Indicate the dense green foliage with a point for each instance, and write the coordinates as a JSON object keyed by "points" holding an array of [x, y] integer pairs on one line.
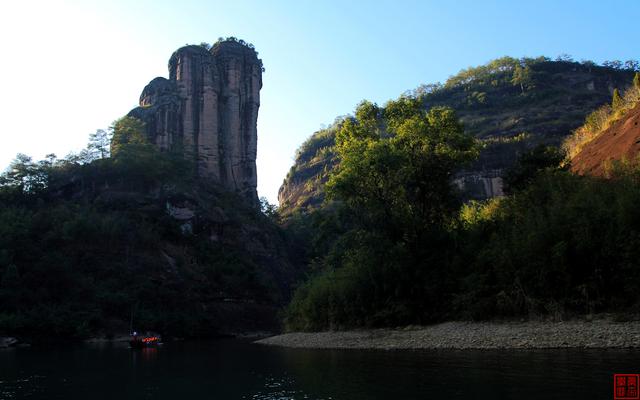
{"points": [[386, 265], [395, 167], [396, 248], [87, 241], [566, 244], [128, 133], [510, 104]]}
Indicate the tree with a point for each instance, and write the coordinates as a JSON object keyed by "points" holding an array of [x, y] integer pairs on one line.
{"points": [[632, 65], [636, 81], [268, 209], [521, 77], [50, 160], [26, 175], [127, 131], [616, 102], [615, 64], [99, 144], [386, 262], [397, 178], [564, 57]]}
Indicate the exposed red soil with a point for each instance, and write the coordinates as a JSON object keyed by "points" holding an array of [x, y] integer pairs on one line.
{"points": [[620, 141]]}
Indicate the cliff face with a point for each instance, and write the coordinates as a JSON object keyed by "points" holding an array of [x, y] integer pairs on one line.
{"points": [[621, 141], [208, 108]]}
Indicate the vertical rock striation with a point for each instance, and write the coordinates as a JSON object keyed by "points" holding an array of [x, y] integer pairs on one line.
{"points": [[208, 109]]}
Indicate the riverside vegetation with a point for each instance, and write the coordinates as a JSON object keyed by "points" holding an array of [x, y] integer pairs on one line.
{"points": [[123, 229], [394, 245]]}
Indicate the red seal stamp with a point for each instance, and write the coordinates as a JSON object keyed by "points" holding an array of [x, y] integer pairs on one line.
{"points": [[625, 387]]}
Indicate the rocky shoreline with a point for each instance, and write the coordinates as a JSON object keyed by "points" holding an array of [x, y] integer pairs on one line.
{"points": [[603, 333]]}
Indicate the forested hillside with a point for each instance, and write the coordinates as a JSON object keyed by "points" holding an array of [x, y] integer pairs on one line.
{"points": [[397, 244], [92, 242], [124, 230], [510, 105]]}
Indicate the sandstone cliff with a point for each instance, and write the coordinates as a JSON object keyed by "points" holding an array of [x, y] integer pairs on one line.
{"points": [[208, 109]]}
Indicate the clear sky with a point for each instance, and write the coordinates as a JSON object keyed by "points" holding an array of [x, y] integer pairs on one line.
{"points": [[71, 67]]}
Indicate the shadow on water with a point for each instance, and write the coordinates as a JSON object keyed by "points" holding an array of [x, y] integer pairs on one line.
{"points": [[233, 369]]}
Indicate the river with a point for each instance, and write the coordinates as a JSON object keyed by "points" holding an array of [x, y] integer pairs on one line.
{"points": [[235, 369]]}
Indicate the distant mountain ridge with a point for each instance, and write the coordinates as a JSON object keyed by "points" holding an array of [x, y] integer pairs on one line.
{"points": [[510, 104]]}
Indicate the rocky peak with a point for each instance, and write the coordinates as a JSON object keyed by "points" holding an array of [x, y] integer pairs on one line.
{"points": [[230, 48], [157, 90], [208, 108], [192, 54]]}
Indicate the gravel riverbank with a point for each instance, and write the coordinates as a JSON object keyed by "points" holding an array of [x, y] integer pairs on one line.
{"points": [[473, 335]]}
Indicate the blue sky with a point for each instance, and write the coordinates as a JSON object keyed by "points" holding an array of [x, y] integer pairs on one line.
{"points": [[71, 67]]}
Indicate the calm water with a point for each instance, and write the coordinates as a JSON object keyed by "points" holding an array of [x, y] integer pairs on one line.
{"points": [[240, 370]]}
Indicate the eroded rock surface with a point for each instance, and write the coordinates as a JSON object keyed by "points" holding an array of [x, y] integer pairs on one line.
{"points": [[620, 142], [208, 108]]}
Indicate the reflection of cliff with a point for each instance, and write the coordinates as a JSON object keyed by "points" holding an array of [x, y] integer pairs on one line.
{"points": [[208, 108]]}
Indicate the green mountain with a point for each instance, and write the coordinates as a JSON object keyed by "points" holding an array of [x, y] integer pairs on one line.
{"points": [[398, 245], [510, 105]]}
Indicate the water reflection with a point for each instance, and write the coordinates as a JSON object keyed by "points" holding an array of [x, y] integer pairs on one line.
{"points": [[148, 354], [238, 370], [16, 388], [281, 388]]}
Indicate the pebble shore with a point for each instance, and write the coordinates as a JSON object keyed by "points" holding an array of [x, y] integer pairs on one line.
{"points": [[473, 335]]}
